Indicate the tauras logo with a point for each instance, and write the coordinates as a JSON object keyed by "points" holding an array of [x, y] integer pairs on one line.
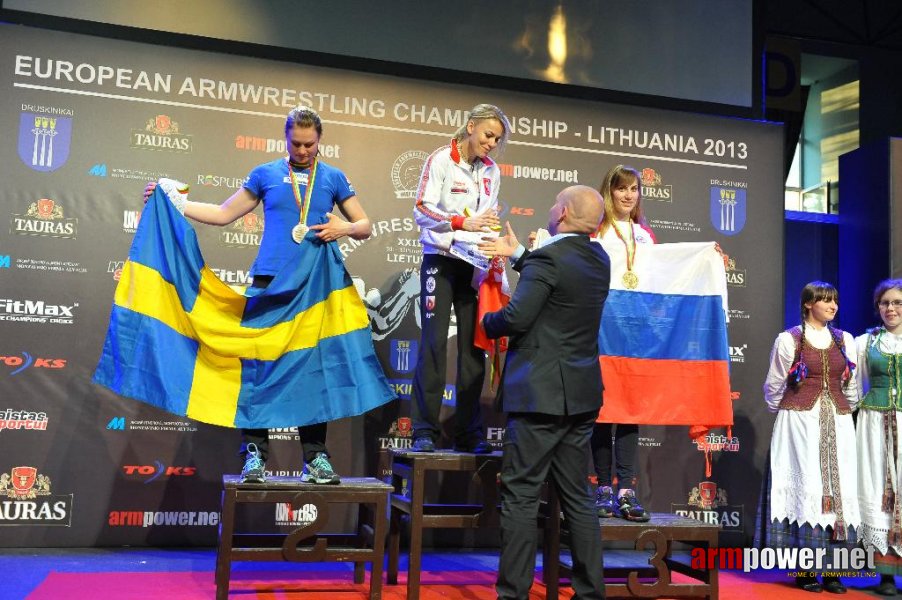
{"points": [[28, 500], [44, 218], [708, 503], [161, 133]]}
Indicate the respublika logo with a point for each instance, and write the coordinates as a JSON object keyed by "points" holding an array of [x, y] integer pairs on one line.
{"points": [[221, 181], [36, 311], [728, 209], [161, 133], [44, 139], [29, 501], [403, 355], [405, 173], [44, 218], [21, 362]]}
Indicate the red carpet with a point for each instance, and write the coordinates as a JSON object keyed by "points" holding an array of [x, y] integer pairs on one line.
{"points": [[312, 585]]}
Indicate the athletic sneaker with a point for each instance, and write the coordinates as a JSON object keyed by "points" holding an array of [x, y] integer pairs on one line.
{"points": [[320, 471], [254, 467], [629, 508], [604, 502]]}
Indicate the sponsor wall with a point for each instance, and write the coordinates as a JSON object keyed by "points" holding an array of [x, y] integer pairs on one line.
{"points": [[94, 119]]}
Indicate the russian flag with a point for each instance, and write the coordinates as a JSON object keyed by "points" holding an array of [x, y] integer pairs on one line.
{"points": [[663, 345]]}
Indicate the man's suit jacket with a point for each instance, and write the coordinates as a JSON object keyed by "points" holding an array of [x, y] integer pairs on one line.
{"points": [[553, 319]]}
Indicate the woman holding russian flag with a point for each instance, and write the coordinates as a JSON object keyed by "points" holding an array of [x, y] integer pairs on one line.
{"points": [[813, 489], [623, 223], [879, 441]]}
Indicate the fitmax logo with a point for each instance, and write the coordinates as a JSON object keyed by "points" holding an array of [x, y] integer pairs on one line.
{"points": [[737, 353]]}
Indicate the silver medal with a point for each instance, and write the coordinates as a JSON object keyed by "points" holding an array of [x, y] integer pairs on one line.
{"points": [[298, 232]]}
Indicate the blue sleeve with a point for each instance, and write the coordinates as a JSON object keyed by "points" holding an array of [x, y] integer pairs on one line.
{"points": [[343, 187], [255, 181]]}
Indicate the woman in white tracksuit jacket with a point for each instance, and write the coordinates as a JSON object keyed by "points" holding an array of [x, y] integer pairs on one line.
{"points": [[457, 194]]}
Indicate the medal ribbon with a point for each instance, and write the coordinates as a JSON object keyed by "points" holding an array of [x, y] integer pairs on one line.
{"points": [[303, 205], [630, 257]]}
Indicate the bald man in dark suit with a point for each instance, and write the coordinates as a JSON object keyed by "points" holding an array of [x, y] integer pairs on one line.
{"points": [[551, 389]]}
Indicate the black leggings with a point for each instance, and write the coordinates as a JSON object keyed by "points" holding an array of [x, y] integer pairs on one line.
{"points": [[625, 447]]}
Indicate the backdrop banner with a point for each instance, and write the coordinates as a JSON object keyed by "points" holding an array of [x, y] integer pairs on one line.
{"points": [[92, 120]]}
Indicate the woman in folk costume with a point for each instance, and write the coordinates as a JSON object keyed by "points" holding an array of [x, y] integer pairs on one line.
{"points": [[623, 223], [879, 441], [813, 492]]}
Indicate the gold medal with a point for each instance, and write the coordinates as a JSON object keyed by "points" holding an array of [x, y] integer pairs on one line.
{"points": [[299, 232], [630, 280]]}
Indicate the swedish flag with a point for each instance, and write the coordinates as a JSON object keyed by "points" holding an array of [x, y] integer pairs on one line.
{"points": [[298, 352]]}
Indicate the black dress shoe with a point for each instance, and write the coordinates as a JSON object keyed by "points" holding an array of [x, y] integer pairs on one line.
{"points": [[483, 447], [833, 585], [423, 444], [480, 447], [887, 586], [809, 584]]}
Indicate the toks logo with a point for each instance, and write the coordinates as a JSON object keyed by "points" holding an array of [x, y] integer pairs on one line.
{"points": [[161, 133], [708, 503], [157, 470], [29, 501], [44, 218], [20, 363]]}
